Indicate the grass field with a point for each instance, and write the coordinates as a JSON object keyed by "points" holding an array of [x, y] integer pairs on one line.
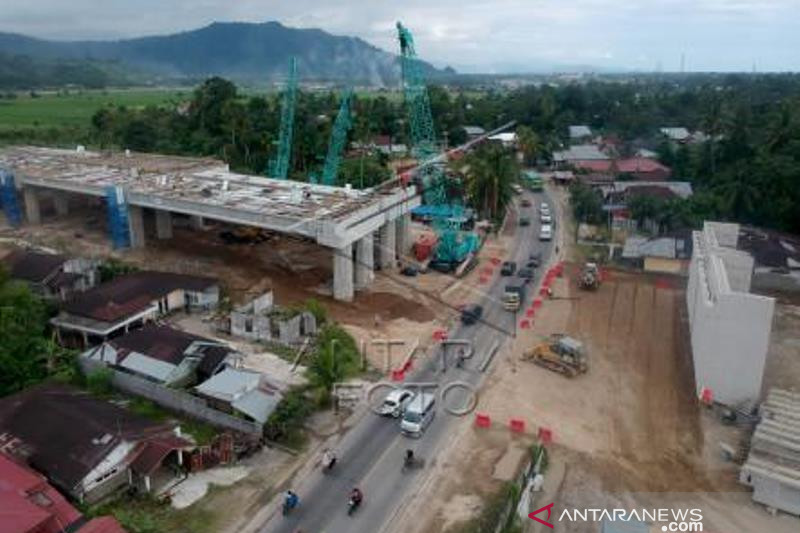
{"points": [[76, 109]]}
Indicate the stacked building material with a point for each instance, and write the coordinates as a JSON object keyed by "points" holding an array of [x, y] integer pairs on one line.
{"points": [[773, 464]]}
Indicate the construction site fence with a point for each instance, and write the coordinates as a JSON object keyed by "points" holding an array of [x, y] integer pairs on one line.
{"points": [[174, 400]]}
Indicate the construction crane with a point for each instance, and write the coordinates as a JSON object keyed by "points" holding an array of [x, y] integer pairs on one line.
{"points": [[279, 166], [453, 246], [343, 123]]}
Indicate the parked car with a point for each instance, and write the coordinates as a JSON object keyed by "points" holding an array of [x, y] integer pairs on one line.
{"points": [[535, 257], [525, 202], [524, 221], [544, 208], [545, 232], [418, 414], [508, 268], [471, 314], [395, 402], [410, 271]]}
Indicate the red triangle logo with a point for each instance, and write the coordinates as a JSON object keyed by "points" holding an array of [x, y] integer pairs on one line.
{"points": [[547, 508]]}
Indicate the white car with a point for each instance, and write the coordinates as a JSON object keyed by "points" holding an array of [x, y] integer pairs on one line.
{"points": [[545, 233], [395, 403], [544, 208], [545, 218]]}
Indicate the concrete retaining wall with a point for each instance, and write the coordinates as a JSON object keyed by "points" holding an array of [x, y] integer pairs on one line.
{"points": [[730, 327]]}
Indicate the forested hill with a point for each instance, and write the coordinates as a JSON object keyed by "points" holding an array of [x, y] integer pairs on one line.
{"points": [[240, 51]]}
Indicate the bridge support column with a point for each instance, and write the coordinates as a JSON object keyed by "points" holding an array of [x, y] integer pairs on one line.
{"points": [[403, 238], [197, 222], [61, 204], [163, 224], [136, 225], [343, 273], [388, 246], [33, 209], [365, 261]]}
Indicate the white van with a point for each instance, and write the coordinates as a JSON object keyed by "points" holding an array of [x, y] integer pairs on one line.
{"points": [[418, 414], [546, 232]]}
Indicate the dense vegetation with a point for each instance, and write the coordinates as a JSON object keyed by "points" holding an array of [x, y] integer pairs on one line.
{"points": [[20, 72], [28, 354], [748, 170]]}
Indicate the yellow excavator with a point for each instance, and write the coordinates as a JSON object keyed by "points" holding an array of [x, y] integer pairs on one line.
{"points": [[561, 354]]}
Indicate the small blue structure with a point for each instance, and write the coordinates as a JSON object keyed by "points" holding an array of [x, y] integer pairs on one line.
{"points": [[118, 217], [8, 198]]}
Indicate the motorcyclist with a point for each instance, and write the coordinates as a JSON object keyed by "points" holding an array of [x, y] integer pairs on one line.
{"points": [[356, 496], [460, 359], [409, 457], [292, 500]]}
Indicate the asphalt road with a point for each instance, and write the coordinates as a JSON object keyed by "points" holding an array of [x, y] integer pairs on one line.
{"points": [[370, 455]]}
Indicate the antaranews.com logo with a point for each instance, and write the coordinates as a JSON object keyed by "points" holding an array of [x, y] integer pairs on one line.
{"points": [[674, 520]]}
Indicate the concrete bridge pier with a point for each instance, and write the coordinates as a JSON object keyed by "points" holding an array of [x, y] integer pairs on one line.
{"points": [[365, 261], [403, 237], [343, 289], [33, 208], [163, 224], [136, 226], [61, 204], [388, 244]]}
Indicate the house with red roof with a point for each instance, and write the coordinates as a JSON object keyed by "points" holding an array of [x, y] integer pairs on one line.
{"points": [[644, 169], [29, 504]]}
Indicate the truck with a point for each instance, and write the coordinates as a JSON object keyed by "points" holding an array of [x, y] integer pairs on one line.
{"points": [[513, 297]]}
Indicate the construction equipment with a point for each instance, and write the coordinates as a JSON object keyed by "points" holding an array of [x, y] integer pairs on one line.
{"points": [[590, 277], [117, 204], [279, 166], [338, 140], [561, 354], [8, 198], [454, 246]]}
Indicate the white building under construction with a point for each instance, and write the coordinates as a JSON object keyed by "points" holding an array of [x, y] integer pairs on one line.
{"points": [[730, 327]]}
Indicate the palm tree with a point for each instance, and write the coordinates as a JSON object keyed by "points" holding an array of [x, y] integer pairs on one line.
{"points": [[529, 143], [489, 175]]}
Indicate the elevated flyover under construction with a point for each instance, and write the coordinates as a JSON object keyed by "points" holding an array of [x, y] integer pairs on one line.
{"points": [[350, 222]]}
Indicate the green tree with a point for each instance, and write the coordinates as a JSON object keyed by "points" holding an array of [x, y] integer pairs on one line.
{"points": [[529, 144], [490, 172]]}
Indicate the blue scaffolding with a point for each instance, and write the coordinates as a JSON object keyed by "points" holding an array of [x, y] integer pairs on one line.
{"points": [[118, 217], [8, 198]]}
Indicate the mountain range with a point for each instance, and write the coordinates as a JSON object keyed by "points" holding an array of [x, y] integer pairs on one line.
{"points": [[244, 52]]}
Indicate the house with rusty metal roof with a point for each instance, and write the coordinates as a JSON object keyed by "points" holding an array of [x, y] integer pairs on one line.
{"points": [[50, 275], [163, 355], [87, 447], [130, 301], [29, 504]]}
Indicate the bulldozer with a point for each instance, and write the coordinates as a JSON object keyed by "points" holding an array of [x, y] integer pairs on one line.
{"points": [[561, 354], [590, 277]]}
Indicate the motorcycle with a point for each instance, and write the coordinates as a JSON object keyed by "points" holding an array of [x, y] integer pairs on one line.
{"points": [[352, 505]]}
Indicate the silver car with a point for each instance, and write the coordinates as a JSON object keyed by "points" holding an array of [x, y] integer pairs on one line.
{"points": [[395, 403]]}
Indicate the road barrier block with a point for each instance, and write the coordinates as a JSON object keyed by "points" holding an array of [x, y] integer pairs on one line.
{"points": [[525, 324], [482, 420], [543, 291], [545, 435], [440, 335], [530, 312], [537, 303], [706, 396], [516, 425], [483, 280], [496, 260], [488, 271], [398, 375]]}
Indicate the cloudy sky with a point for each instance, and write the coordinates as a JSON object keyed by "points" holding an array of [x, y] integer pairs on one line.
{"points": [[490, 35]]}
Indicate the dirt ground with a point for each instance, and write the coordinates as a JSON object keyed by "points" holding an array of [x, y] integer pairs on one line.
{"points": [[630, 431]]}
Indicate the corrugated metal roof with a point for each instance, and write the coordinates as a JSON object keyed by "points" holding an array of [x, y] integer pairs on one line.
{"points": [[257, 404], [229, 384], [576, 132], [580, 152], [148, 366]]}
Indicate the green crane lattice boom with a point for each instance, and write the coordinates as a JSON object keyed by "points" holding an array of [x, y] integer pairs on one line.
{"points": [[454, 245], [344, 121], [279, 166]]}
